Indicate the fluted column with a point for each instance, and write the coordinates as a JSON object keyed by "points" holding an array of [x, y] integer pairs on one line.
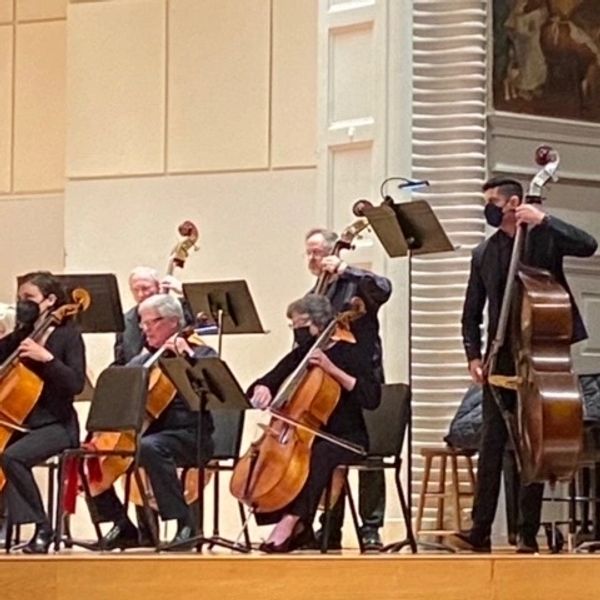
{"points": [[449, 149]]}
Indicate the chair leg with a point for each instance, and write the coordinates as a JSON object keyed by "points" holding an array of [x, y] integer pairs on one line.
{"points": [[9, 533], [354, 514], [59, 515], [88, 495], [216, 503], [327, 522], [147, 509], [410, 534]]}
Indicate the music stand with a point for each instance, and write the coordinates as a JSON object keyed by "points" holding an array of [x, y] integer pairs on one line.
{"points": [[407, 229], [105, 313], [228, 303], [208, 385]]}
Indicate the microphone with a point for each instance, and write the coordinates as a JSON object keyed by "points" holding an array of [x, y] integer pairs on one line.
{"points": [[412, 184]]}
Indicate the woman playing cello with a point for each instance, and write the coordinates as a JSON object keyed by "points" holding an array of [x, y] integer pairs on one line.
{"points": [[58, 360], [348, 365]]}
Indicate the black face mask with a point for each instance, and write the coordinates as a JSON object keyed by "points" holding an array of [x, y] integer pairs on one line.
{"points": [[493, 214], [303, 336], [27, 313]]}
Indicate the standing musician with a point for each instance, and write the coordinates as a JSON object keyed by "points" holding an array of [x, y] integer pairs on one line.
{"points": [[549, 240], [59, 361], [169, 442], [143, 283], [349, 364], [349, 282]]}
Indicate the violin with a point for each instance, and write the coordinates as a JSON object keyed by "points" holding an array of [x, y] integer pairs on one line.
{"points": [[275, 468], [548, 432], [20, 388]]}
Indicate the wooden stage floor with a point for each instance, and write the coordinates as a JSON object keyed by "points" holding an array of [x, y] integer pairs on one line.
{"points": [[149, 576]]}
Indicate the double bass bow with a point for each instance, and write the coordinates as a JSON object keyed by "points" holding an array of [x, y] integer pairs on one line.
{"points": [[547, 433]]}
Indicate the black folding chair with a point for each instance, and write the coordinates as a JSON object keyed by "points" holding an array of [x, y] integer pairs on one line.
{"points": [[118, 405], [386, 426]]}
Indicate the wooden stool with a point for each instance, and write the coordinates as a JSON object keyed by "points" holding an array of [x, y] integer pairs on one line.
{"points": [[440, 494]]}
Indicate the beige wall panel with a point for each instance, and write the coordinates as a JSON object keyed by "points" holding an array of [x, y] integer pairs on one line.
{"points": [[294, 87], [251, 227], [6, 11], [6, 37], [32, 238], [116, 88], [39, 156], [218, 115], [41, 9]]}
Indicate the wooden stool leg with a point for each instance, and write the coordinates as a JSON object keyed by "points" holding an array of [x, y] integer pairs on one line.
{"points": [[422, 495], [442, 494], [455, 492]]}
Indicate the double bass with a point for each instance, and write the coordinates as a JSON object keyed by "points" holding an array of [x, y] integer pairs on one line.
{"points": [[20, 388], [548, 431]]}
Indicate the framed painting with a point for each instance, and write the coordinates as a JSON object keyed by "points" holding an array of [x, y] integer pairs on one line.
{"points": [[547, 57]]}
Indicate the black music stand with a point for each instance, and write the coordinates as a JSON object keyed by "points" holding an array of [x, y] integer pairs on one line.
{"points": [[104, 314], [407, 229], [226, 304], [208, 385]]}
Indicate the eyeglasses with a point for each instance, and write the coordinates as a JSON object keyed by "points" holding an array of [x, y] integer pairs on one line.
{"points": [[148, 322]]}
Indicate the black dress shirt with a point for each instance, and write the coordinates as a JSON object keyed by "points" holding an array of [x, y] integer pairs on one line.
{"points": [[547, 245]]}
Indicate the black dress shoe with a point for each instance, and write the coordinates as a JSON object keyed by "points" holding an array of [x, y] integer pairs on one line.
{"points": [[183, 540], [527, 544], [334, 541], [371, 540], [40, 542], [121, 536], [466, 540]]}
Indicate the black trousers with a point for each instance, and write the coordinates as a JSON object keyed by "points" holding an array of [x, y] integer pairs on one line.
{"points": [[23, 498], [494, 437], [371, 504], [325, 457], [161, 453]]}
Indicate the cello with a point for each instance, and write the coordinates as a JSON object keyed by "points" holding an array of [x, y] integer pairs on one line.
{"points": [[20, 388], [275, 468], [548, 430]]}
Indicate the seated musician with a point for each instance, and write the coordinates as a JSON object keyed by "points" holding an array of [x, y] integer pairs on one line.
{"points": [[349, 364], [58, 359], [143, 283], [169, 442]]}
